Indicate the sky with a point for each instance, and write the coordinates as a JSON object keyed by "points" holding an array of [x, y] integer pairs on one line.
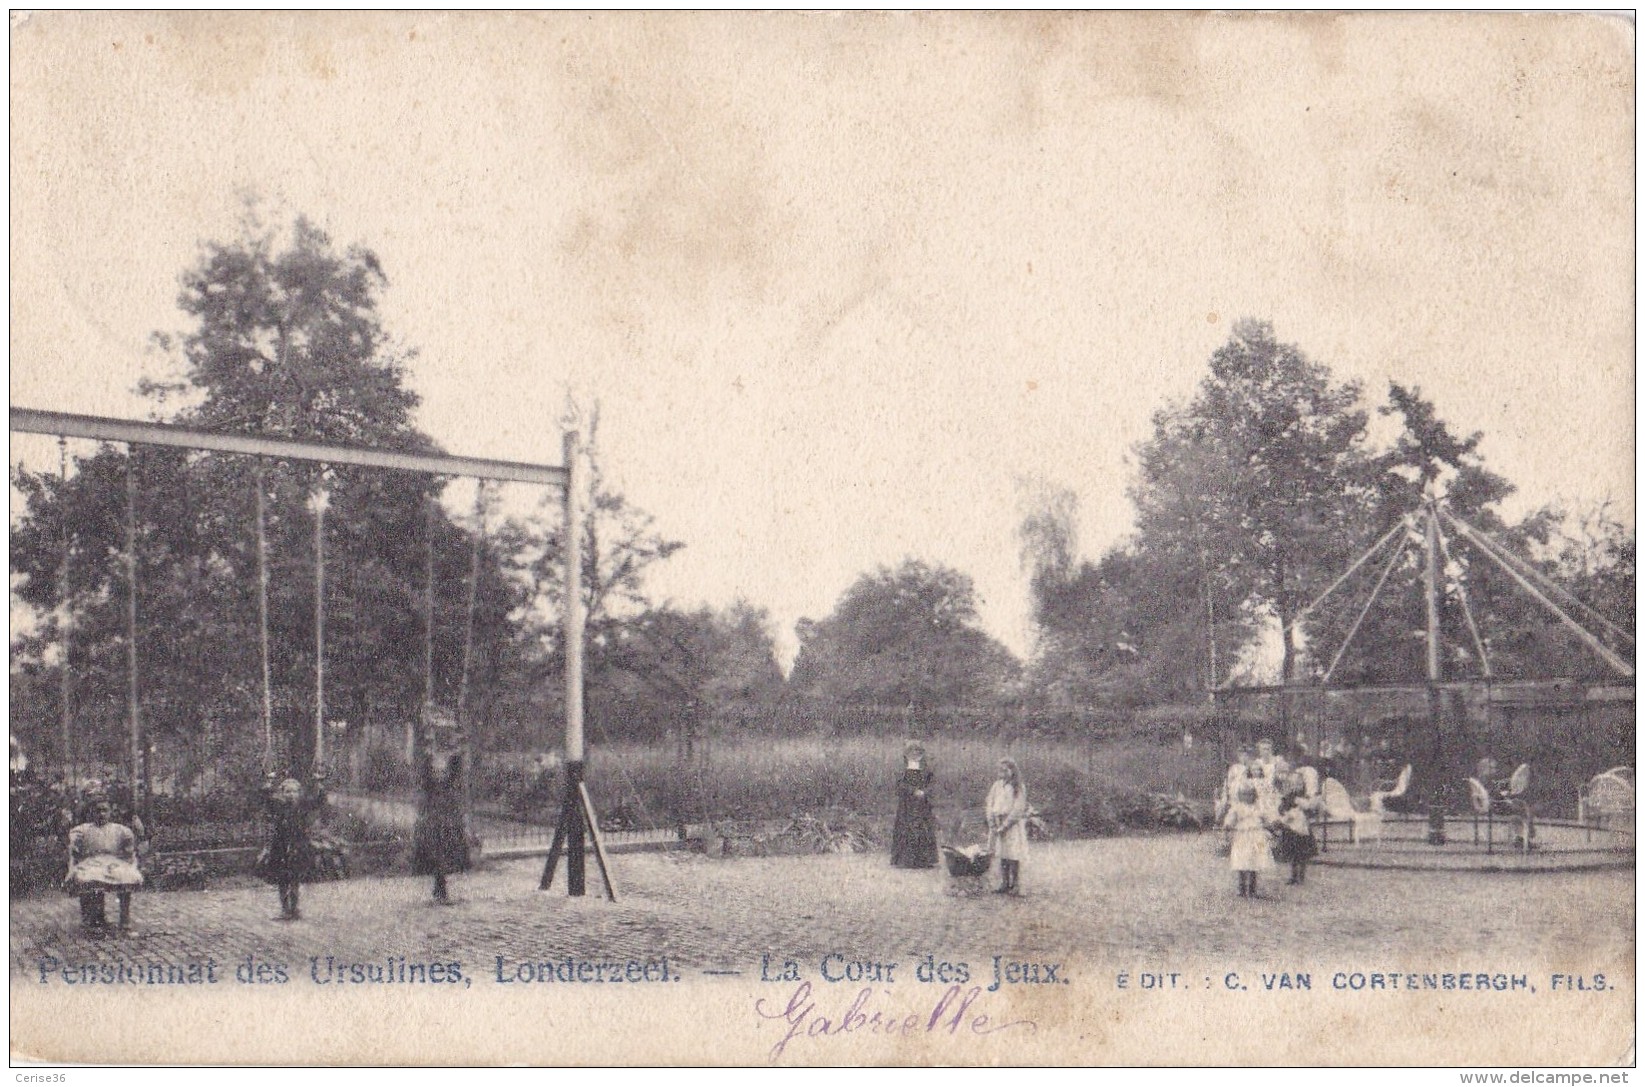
{"points": [[848, 287]]}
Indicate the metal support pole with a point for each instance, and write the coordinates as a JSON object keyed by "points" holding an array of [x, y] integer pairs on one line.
{"points": [[571, 811], [1468, 613], [1576, 628], [1430, 577], [1393, 561]]}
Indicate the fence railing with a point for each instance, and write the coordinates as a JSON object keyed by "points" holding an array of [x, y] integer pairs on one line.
{"points": [[501, 834]]}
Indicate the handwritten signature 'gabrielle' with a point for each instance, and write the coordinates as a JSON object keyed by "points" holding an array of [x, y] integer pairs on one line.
{"points": [[953, 1014]]}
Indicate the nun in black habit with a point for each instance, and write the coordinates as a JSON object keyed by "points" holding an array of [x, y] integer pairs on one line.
{"points": [[914, 835]]}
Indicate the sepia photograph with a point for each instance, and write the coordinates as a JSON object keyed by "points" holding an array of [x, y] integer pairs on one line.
{"points": [[778, 539]]}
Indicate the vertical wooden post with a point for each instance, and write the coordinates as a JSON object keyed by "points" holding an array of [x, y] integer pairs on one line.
{"points": [[576, 813], [262, 621], [571, 810], [1431, 586], [573, 599], [1431, 590], [132, 696]]}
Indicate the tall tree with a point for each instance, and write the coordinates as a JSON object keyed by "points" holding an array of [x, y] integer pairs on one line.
{"points": [[1048, 533], [283, 339], [903, 636], [286, 340], [676, 671], [1261, 478], [1583, 561], [621, 545], [1596, 559], [1116, 632]]}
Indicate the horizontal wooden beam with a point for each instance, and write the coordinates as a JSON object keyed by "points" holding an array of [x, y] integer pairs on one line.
{"points": [[98, 428], [1500, 689]]}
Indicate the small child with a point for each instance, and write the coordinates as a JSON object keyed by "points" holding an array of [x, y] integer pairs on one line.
{"points": [[288, 859], [1296, 837], [1248, 853], [102, 858], [439, 838]]}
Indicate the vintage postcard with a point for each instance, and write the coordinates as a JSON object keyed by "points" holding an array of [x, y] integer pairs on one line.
{"points": [[817, 539]]}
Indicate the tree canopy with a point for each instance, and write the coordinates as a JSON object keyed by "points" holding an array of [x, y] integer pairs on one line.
{"points": [[902, 636], [284, 339], [1262, 473], [1253, 498]]}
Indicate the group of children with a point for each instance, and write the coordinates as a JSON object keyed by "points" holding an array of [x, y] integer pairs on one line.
{"points": [[1262, 797], [103, 852]]}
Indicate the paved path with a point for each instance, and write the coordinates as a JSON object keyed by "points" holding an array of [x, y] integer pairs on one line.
{"points": [[1119, 900]]}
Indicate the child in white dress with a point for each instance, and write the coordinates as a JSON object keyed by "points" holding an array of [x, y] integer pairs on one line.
{"points": [[102, 858], [1249, 851], [1008, 812]]}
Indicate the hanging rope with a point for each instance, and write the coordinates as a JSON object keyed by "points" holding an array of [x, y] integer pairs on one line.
{"points": [[321, 499], [262, 620], [132, 695], [463, 724], [1393, 561], [426, 740], [1553, 587], [473, 594], [1348, 573], [65, 679], [1210, 621]]}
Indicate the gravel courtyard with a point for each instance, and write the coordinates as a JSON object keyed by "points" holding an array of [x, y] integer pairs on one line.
{"points": [[1112, 901]]}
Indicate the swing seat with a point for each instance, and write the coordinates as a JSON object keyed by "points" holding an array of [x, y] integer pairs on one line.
{"points": [[1310, 782], [330, 858], [1339, 806], [1509, 802], [1393, 792], [1607, 799]]}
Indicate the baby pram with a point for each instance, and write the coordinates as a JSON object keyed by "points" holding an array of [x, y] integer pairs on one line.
{"points": [[968, 868]]}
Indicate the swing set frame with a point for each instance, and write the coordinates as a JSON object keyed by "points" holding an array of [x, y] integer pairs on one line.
{"points": [[577, 821], [1424, 529]]}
